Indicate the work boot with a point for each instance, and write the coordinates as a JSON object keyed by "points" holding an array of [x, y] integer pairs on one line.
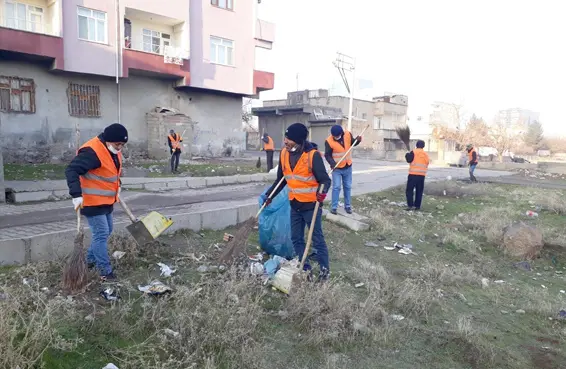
{"points": [[349, 210], [409, 208], [334, 211]]}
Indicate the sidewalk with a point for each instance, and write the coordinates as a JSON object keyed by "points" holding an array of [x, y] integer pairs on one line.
{"points": [[48, 190]]}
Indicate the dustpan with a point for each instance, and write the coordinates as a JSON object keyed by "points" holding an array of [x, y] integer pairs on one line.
{"points": [[148, 228]]}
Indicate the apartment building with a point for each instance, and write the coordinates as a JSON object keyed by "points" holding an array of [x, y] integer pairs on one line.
{"points": [[517, 119], [69, 66], [390, 112]]}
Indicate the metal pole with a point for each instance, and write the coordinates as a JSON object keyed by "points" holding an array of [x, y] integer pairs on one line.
{"points": [[118, 57], [352, 87]]}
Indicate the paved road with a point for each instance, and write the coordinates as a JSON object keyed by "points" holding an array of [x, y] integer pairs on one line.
{"points": [[369, 176]]}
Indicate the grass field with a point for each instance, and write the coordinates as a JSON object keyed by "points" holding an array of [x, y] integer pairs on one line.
{"points": [[229, 320]]}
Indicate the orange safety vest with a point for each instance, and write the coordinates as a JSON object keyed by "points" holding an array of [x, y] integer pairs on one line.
{"points": [[175, 141], [269, 146], [471, 155], [419, 165], [339, 150], [301, 182], [100, 186]]}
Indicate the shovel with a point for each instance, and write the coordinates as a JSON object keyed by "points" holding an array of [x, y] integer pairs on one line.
{"points": [[148, 228]]}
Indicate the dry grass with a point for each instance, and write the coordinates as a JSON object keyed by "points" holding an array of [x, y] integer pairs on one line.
{"points": [[454, 189], [489, 223], [552, 201]]}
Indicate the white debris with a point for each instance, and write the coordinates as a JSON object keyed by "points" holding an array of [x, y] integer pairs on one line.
{"points": [[256, 268], [389, 248], [118, 255], [543, 286], [485, 282], [110, 366], [562, 291], [397, 317], [171, 333], [358, 285], [166, 271], [499, 281], [448, 178]]}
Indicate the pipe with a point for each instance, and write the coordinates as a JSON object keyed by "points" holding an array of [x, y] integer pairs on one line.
{"points": [[118, 47]]}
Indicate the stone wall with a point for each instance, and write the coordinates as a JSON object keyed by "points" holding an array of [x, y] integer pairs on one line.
{"points": [[158, 127]]}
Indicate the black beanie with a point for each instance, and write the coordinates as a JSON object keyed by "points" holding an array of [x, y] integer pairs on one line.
{"points": [[115, 133], [297, 132], [420, 144]]}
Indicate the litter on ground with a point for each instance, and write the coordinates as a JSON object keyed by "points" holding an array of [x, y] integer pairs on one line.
{"points": [[166, 270], [110, 294], [110, 366], [155, 288], [118, 255]]}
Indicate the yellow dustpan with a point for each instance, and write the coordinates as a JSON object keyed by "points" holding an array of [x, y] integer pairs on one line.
{"points": [[148, 228]]}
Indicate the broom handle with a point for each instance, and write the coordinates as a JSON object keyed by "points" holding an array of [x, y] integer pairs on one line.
{"points": [[311, 229], [127, 210], [349, 150], [78, 219], [181, 137], [270, 195]]}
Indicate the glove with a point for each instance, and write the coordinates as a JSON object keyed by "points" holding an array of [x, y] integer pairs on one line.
{"points": [[359, 138], [332, 166], [77, 203], [119, 190], [320, 197]]}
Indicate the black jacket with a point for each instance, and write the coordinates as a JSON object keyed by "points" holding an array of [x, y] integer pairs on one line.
{"points": [[328, 151], [171, 145], [474, 157], [318, 169], [86, 160]]}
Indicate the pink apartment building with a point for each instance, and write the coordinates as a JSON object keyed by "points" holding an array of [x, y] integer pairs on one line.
{"points": [[87, 63]]}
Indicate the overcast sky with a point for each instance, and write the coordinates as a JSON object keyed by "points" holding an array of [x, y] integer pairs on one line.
{"points": [[488, 55]]}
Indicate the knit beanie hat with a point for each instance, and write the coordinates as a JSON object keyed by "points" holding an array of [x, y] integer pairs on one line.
{"points": [[420, 144], [297, 132], [115, 133], [336, 131]]}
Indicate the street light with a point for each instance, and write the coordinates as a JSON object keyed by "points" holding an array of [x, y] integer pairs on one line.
{"points": [[346, 63]]}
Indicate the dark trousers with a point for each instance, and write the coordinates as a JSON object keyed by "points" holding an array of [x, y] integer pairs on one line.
{"points": [[269, 155], [175, 160], [416, 184], [301, 220]]}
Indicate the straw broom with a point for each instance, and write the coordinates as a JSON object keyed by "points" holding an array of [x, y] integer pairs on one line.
{"points": [[404, 134], [237, 244], [75, 273]]}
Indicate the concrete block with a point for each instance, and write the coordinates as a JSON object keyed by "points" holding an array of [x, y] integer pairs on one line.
{"points": [[244, 178], [219, 218], [355, 216], [62, 194], [12, 252], [246, 212], [52, 246], [196, 182], [192, 221], [258, 177], [347, 222], [136, 186], [230, 180], [213, 181], [177, 184], [32, 196], [155, 186]]}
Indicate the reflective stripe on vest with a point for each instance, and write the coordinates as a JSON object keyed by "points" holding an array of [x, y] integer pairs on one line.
{"points": [[301, 182], [338, 150], [100, 186], [269, 145], [175, 141], [419, 166]]}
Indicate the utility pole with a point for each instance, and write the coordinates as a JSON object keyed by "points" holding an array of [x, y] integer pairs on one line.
{"points": [[345, 63], [297, 81]]}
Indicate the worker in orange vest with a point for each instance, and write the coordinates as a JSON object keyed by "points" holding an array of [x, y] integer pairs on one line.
{"points": [[419, 161], [472, 161], [174, 141], [93, 178], [335, 148], [268, 147], [302, 166]]}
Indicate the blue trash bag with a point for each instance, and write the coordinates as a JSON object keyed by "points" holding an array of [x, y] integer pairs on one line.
{"points": [[275, 225]]}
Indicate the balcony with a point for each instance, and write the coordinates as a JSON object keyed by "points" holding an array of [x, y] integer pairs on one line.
{"points": [[156, 45], [32, 30], [264, 34], [263, 81]]}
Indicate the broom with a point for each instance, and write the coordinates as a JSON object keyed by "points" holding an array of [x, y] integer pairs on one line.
{"points": [[75, 273], [404, 134]]}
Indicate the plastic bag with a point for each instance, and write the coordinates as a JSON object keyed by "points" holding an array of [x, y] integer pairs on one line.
{"points": [[275, 225]]}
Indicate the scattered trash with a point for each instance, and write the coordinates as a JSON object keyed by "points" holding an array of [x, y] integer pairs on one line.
{"points": [[440, 207], [371, 244], [523, 265], [272, 265], [358, 285], [110, 366], [405, 251], [211, 269], [118, 255], [171, 333], [562, 314], [397, 317], [484, 282], [562, 291], [444, 192], [256, 268], [389, 248], [531, 214], [543, 286], [504, 312], [256, 257], [202, 269], [520, 311], [166, 271], [155, 288], [45, 289], [227, 237], [499, 281], [448, 178], [110, 294], [26, 281]]}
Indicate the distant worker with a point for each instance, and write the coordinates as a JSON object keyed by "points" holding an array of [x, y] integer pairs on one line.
{"points": [[174, 141], [419, 161], [93, 178], [472, 161], [268, 147], [302, 166], [335, 148]]}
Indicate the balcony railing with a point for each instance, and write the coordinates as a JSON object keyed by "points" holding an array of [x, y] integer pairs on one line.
{"points": [[29, 26]]}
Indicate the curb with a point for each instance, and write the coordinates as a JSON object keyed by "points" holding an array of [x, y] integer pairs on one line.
{"points": [[56, 245], [61, 192]]}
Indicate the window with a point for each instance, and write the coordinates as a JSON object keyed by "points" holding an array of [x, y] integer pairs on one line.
{"points": [[224, 4], [83, 100], [221, 51], [24, 17], [17, 95], [376, 122], [155, 42], [364, 115], [92, 25]]}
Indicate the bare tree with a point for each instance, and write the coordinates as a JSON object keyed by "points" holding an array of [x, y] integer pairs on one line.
{"points": [[504, 137], [247, 116]]}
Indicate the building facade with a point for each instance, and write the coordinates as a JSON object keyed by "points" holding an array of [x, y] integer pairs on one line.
{"points": [[517, 119], [75, 66], [390, 112]]}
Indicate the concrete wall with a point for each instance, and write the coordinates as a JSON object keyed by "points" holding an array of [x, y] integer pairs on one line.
{"points": [[275, 126], [48, 135], [2, 187], [158, 127]]}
